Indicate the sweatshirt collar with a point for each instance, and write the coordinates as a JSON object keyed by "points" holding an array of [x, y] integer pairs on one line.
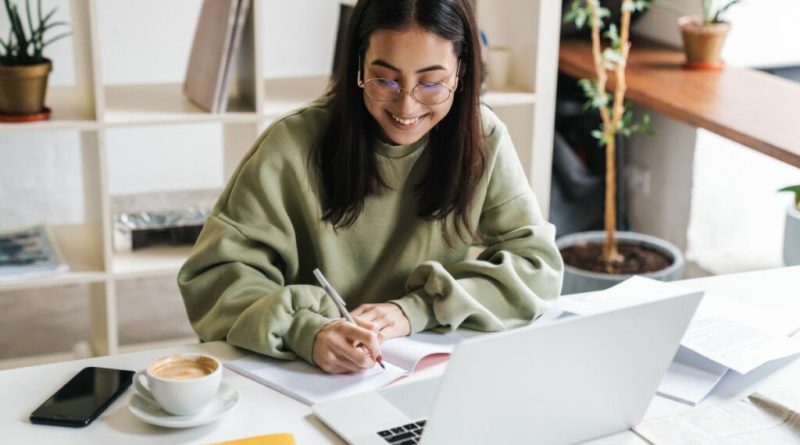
{"points": [[390, 150]]}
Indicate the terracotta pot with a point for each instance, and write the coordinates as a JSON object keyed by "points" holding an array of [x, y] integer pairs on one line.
{"points": [[702, 43], [23, 87], [578, 280]]}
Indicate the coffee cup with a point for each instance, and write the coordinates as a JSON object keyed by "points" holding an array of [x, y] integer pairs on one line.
{"points": [[181, 384]]}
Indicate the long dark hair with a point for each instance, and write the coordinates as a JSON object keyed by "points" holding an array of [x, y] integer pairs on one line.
{"points": [[344, 155]]}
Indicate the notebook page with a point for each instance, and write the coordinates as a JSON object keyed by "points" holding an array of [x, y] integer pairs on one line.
{"points": [[407, 352], [308, 384]]}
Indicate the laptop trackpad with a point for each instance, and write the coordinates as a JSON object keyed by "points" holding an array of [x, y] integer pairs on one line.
{"points": [[415, 398]]}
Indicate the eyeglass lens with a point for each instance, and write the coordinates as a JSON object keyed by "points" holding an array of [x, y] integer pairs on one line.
{"points": [[388, 90]]}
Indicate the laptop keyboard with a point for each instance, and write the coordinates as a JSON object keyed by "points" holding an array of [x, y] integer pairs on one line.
{"points": [[404, 435]]}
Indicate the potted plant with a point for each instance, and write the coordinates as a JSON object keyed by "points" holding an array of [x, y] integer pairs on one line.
{"points": [[23, 68], [703, 35], [599, 259], [791, 231]]}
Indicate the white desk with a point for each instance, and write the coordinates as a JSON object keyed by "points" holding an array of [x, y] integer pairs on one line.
{"points": [[264, 411]]}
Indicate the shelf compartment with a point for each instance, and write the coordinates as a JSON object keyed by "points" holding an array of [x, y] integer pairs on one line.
{"points": [[163, 104], [282, 95], [150, 262]]}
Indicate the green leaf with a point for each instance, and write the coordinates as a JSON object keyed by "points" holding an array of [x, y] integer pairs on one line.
{"points": [[796, 190], [58, 37], [612, 34]]}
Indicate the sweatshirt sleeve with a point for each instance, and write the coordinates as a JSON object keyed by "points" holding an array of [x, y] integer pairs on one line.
{"points": [[516, 276], [237, 283]]}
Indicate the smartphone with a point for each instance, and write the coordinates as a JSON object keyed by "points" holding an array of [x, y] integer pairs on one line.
{"points": [[83, 398]]}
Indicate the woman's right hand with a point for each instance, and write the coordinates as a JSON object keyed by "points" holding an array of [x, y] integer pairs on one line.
{"points": [[342, 347]]}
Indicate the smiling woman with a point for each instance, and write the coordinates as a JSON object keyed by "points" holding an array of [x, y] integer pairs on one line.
{"points": [[384, 184]]}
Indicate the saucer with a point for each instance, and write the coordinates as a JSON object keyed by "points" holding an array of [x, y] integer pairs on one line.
{"points": [[227, 397]]}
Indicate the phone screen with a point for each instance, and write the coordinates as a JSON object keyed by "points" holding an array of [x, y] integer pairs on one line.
{"points": [[83, 398]]}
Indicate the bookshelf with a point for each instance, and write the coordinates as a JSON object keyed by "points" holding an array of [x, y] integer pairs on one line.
{"points": [[95, 110]]}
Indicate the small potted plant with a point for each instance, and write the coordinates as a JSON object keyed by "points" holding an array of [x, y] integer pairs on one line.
{"points": [[23, 68], [791, 231], [599, 259], [703, 35]]}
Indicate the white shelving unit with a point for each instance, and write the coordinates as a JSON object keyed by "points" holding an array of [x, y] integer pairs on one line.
{"points": [[528, 27]]}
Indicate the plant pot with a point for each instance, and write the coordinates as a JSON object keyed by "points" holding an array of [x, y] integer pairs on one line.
{"points": [[791, 237], [578, 280], [23, 88], [702, 43]]}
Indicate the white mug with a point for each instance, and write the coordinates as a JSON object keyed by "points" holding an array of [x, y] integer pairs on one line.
{"points": [[498, 61], [182, 384]]}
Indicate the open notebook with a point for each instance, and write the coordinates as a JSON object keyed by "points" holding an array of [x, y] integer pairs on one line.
{"points": [[310, 385]]}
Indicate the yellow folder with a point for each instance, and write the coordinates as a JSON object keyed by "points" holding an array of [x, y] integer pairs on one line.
{"points": [[268, 439]]}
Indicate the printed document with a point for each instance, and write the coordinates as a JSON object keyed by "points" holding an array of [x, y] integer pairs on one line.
{"points": [[759, 419], [724, 334]]}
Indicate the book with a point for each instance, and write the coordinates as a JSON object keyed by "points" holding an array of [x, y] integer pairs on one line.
{"points": [[210, 53], [221, 103], [310, 385], [28, 252]]}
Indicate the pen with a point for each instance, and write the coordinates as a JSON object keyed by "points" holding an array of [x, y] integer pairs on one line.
{"points": [[337, 299]]}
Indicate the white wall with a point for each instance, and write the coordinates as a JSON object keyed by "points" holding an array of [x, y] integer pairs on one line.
{"points": [[764, 33], [147, 42], [726, 192]]}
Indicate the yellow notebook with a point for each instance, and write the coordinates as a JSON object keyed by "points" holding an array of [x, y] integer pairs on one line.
{"points": [[268, 439]]}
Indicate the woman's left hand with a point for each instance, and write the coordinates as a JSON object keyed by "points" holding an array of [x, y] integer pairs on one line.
{"points": [[386, 318]]}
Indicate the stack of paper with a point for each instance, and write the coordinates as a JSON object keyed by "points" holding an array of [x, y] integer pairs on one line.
{"points": [[723, 335]]}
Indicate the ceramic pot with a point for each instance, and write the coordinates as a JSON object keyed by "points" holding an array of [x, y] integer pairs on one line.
{"points": [[23, 88], [791, 237], [702, 43], [578, 280]]}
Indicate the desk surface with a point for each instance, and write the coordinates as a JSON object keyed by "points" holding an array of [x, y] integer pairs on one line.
{"points": [[264, 411], [753, 108]]}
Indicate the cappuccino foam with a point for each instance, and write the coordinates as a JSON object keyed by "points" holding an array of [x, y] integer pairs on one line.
{"points": [[183, 368]]}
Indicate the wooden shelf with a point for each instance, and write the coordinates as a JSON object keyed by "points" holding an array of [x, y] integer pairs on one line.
{"points": [[286, 94], [70, 111], [56, 279], [744, 105], [162, 104], [150, 262], [509, 97]]}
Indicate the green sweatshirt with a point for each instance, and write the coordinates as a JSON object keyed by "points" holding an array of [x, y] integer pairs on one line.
{"points": [[249, 277]]}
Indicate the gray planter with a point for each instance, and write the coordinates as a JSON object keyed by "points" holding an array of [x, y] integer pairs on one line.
{"points": [[577, 280], [791, 237]]}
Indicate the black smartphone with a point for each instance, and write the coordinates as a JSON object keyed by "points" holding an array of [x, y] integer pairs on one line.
{"points": [[83, 398]]}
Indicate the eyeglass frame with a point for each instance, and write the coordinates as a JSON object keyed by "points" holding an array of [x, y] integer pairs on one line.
{"points": [[362, 84]]}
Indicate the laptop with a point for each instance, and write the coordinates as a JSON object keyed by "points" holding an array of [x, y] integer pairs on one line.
{"points": [[560, 382]]}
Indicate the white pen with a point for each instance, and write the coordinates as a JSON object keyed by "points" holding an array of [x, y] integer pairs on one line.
{"points": [[337, 299]]}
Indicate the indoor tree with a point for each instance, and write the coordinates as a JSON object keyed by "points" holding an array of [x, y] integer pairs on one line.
{"points": [[616, 115]]}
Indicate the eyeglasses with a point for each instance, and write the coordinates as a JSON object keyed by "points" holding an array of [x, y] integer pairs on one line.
{"points": [[426, 93]]}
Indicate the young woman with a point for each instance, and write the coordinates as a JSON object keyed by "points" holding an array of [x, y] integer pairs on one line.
{"points": [[383, 183]]}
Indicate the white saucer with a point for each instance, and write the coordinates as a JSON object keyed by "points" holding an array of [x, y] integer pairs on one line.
{"points": [[227, 397]]}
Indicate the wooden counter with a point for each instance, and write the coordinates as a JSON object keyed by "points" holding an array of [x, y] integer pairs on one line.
{"points": [[756, 109]]}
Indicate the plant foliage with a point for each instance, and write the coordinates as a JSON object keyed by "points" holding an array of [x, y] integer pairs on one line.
{"points": [[796, 190], [25, 47], [714, 11]]}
